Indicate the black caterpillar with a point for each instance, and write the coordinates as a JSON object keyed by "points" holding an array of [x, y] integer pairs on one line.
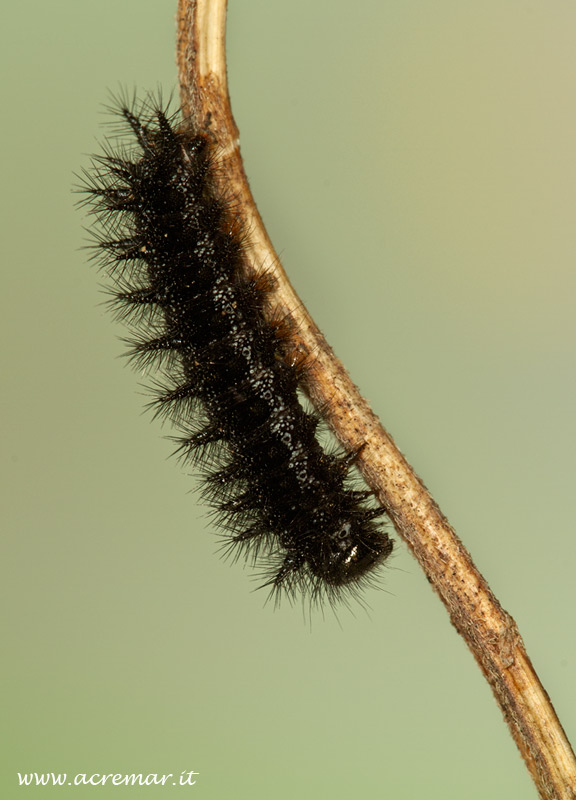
{"points": [[174, 250]]}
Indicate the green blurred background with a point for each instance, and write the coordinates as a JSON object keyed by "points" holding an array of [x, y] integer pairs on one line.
{"points": [[415, 165]]}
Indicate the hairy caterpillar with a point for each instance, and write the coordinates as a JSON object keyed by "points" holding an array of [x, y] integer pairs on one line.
{"points": [[173, 248]]}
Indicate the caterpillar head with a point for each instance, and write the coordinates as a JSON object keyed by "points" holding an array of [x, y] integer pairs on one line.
{"points": [[349, 552]]}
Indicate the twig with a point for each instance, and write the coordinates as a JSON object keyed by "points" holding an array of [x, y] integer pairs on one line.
{"points": [[491, 633]]}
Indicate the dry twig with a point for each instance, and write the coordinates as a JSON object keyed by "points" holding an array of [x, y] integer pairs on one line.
{"points": [[490, 633]]}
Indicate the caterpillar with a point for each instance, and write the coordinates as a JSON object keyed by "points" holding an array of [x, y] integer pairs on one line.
{"points": [[173, 248]]}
